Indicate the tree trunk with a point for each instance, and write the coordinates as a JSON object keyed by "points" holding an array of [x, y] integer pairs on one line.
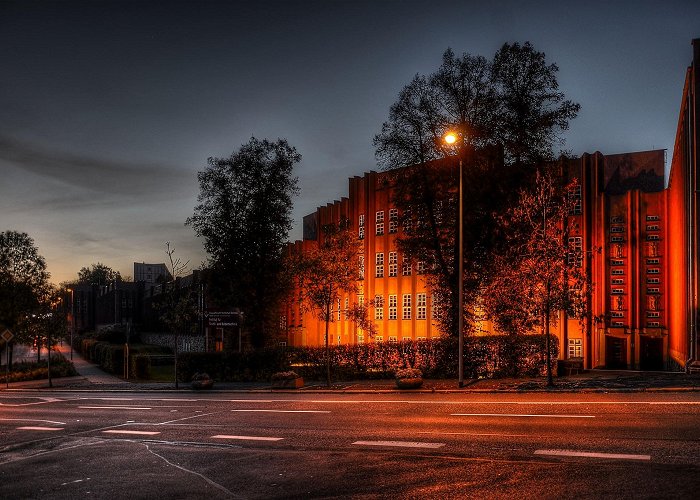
{"points": [[176, 382], [328, 349]]}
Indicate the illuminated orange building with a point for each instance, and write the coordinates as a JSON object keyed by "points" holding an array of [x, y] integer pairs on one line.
{"points": [[638, 242]]}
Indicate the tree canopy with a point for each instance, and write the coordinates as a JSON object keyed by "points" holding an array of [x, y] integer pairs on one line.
{"points": [[244, 216], [508, 115], [98, 274]]}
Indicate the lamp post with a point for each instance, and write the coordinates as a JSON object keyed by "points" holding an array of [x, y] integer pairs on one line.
{"points": [[451, 138]]}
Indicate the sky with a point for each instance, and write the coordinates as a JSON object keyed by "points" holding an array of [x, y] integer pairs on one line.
{"points": [[109, 109]]}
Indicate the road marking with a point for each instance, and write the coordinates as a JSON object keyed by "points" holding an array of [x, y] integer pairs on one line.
{"points": [[518, 415], [32, 420], [36, 428], [249, 438], [114, 408], [401, 444], [473, 434], [588, 454], [138, 433], [285, 411]]}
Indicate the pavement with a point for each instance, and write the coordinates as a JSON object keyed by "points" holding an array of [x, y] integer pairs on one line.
{"points": [[91, 377]]}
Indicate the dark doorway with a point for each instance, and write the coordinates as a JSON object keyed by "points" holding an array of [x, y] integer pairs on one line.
{"points": [[651, 355], [615, 353]]}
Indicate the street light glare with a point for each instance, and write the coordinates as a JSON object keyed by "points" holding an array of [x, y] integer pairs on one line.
{"points": [[450, 138]]}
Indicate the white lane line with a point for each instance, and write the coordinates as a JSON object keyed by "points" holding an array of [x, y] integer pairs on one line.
{"points": [[401, 444], [32, 420], [247, 438], [285, 411], [114, 408], [588, 454], [472, 434], [37, 428], [518, 415], [137, 433]]}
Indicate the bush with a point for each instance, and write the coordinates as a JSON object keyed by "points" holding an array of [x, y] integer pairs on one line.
{"points": [[60, 367]]}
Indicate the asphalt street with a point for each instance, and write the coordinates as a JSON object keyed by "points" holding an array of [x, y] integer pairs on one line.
{"points": [[223, 445]]}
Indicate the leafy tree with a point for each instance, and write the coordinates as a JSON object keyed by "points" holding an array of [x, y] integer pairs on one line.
{"points": [[23, 282], [244, 216], [324, 274], [98, 274], [508, 114], [539, 273]]}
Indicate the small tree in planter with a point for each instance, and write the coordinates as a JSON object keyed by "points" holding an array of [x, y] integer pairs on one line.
{"points": [[409, 378]]}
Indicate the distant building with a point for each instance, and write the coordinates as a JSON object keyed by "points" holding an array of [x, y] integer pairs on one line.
{"points": [[151, 274]]}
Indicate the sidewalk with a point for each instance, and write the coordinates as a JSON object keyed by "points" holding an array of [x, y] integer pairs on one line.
{"points": [[91, 377]]}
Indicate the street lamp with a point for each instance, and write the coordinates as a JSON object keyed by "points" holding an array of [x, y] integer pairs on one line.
{"points": [[451, 138]]}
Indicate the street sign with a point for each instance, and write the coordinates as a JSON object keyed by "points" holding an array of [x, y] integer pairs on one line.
{"points": [[220, 319], [7, 335]]}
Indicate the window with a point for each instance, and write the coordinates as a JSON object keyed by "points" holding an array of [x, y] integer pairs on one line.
{"points": [[618, 291], [379, 222], [378, 307], [653, 291], [653, 281], [617, 239], [361, 226], [618, 324], [420, 267], [653, 261], [406, 339], [421, 338], [617, 219], [338, 318], [407, 222], [361, 267], [653, 270], [617, 229], [406, 312], [575, 348], [575, 193], [392, 307], [618, 281], [651, 218], [379, 338], [360, 338], [393, 264], [393, 340], [617, 262], [653, 227], [617, 314], [653, 324], [405, 267], [393, 220], [421, 306], [379, 265], [653, 237], [617, 272], [653, 314], [575, 255]]}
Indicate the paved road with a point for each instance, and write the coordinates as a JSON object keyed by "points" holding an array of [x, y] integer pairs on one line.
{"points": [[134, 445]]}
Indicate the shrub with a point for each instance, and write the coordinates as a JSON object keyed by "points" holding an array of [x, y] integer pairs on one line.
{"points": [[407, 373]]}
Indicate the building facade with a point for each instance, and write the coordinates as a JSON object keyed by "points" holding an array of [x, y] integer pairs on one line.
{"points": [[634, 236]]}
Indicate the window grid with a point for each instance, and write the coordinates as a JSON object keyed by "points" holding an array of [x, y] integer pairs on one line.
{"points": [[406, 310], [393, 307], [379, 222], [406, 267], [421, 306], [393, 220], [378, 307], [393, 264], [379, 265], [361, 226]]}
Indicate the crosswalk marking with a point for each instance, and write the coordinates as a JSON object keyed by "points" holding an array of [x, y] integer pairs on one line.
{"points": [[589, 454], [247, 438], [37, 428], [137, 433]]}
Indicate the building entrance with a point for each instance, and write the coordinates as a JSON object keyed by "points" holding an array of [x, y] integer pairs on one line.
{"points": [[615, 353], [651, 353]]}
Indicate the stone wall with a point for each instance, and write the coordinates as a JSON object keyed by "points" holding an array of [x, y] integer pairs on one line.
{"points": [[186, 343]]}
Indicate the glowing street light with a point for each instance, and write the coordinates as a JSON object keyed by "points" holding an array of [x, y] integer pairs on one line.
{"points": [[451, 138]]}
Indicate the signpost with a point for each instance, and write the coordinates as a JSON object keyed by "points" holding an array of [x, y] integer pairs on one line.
{"points": [[7, 335], [224, 319]]}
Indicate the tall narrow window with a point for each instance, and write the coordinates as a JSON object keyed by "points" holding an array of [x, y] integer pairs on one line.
{"points": [[392, 306], [575, 256], [575, 194], [361, 266], [406, 311], [421, 306], [379, 222], [405, 266], [393, 220], [379, 265], [361, 227], [393, 264], [378, 307]]}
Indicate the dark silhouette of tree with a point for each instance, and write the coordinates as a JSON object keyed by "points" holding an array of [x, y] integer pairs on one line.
{"points": [[325, 272], [507, 114], [539, 273], [23, 284], [98, 274], [244, 217]]}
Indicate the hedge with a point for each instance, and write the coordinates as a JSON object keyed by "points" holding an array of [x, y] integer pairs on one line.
{"points": [[493, 356]]}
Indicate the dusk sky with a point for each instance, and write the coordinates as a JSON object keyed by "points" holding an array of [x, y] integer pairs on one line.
{"points": [[109, 109]]}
